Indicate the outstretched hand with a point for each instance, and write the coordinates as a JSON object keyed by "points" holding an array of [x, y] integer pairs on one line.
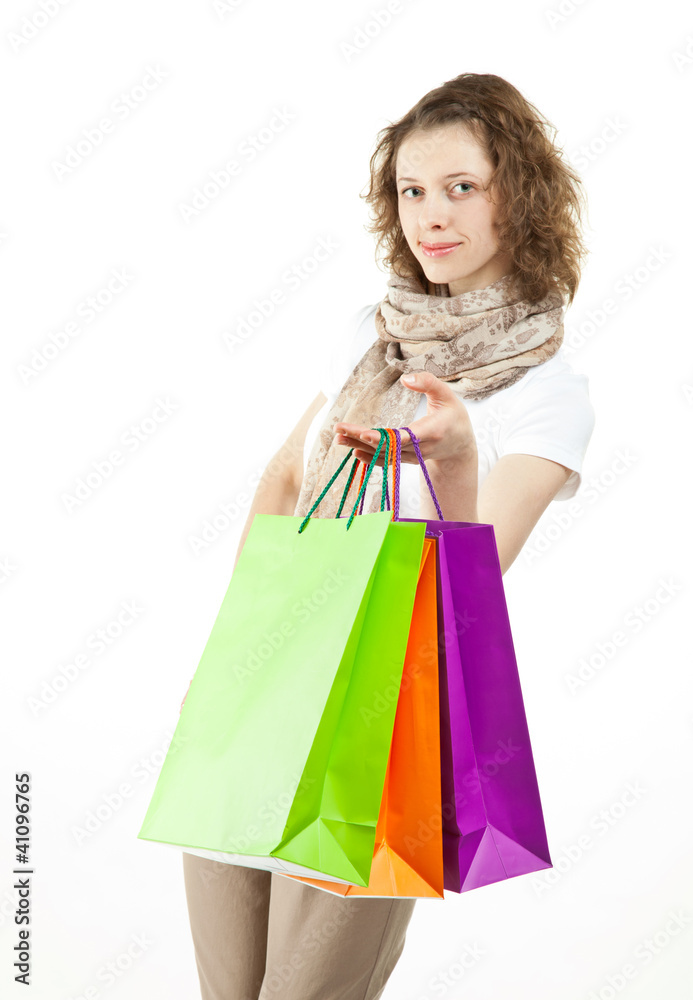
{"points": [[444, 434]]}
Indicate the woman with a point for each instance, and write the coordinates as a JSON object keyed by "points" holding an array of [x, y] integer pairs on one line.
{"points": [[479, 217]]}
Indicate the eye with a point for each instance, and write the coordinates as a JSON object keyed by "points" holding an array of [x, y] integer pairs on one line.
{"points": [[459, 184]]}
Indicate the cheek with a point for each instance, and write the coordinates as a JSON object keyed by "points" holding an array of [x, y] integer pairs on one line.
{"points": [[487, 218], [407, 219], [404, 210], [482, 223]]}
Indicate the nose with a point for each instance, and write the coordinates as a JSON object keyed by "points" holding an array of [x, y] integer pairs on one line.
{"points": [[434, 213]]}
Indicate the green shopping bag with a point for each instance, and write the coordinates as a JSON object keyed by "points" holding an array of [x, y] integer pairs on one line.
{"points": [[278, 760]]}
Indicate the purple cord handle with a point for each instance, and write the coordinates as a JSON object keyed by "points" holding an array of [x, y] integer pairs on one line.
{"points": [[415, 442], [395, 487]]}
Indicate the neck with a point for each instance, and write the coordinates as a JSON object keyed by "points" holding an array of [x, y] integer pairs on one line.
{"points": [[432, 289]]}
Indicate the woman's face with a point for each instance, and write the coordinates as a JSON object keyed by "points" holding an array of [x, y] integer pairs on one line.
{"points": [[437, 207]]}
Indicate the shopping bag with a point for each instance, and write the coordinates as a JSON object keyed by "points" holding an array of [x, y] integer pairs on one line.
{"points": [[261, 770], [408, 854], [493, 824]]}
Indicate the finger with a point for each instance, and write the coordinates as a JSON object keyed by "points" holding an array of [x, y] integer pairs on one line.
{"points": [[350, 442], [364, 448], [365, 452], [361, 435], [354, 429], [438, 392]]}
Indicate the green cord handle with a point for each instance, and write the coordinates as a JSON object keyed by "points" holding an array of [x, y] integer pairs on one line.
{"points": [[383, 436]]}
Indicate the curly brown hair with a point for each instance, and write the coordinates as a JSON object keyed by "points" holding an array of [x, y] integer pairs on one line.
{"points": [[538, 195]]}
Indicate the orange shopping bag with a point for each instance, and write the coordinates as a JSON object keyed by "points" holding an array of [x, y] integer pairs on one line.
{"points": [[408, 854]]}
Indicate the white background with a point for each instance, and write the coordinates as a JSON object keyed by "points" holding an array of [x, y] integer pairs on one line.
{"points": [[616, 81]]}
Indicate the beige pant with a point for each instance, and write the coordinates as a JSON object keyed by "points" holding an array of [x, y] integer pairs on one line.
{"points": [[260, 936]]}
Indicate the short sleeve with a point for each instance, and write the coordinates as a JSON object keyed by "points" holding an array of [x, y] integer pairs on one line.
{"points": [[552, 417], [342, 353]]}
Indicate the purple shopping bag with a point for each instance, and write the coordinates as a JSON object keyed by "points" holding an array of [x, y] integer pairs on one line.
{"points": [[493, 825]]}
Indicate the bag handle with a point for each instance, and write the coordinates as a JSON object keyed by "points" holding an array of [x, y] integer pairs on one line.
{"points": [[392, 456], [415, 442], [365, 475]]}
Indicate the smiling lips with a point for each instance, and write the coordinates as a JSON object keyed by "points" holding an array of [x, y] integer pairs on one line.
{"points": [[438, 249]]}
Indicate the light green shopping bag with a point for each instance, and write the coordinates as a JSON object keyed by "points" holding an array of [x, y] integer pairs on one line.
{"points": [[278, 760]]}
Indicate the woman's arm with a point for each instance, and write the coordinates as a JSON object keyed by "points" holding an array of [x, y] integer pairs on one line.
{"points": [[514, 495], [512, 498], [456, 485]]}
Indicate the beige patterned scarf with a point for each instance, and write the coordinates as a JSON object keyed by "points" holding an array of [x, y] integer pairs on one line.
{"points": [[478, 342]]}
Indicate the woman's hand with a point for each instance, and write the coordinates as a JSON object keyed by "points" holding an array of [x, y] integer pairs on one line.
{"points": [[445, 434]]}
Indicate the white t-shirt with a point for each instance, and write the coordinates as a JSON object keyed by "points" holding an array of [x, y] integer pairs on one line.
{"points": [[546, 413]]}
